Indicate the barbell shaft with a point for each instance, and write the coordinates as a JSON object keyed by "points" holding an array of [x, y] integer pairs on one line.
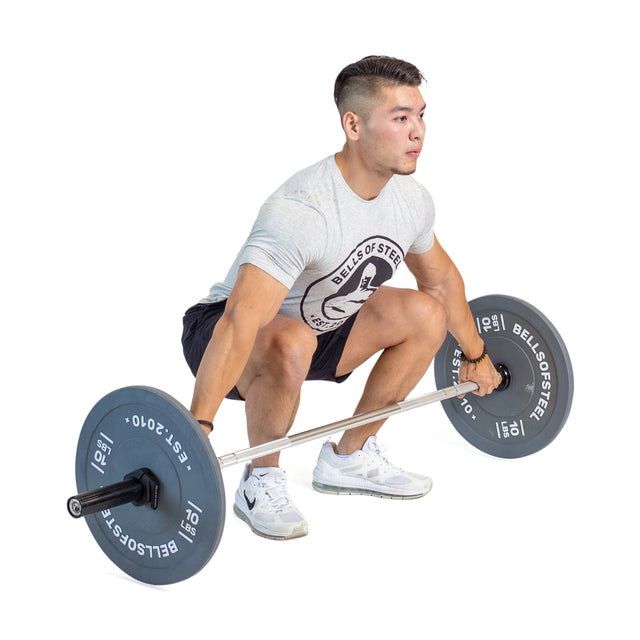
{"points": [[357, 420], [102, 498], [140, 487]]}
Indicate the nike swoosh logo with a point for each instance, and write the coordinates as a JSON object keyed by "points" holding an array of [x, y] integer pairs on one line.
{"points": [[250, 503]]}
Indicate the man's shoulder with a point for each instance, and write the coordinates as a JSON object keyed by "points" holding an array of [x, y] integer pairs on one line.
{"points": [[408, 184], [305, 184], [410, 189]]}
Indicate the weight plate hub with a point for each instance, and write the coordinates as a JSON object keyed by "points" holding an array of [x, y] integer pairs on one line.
{"points": [[530, 413], [137, 427]]}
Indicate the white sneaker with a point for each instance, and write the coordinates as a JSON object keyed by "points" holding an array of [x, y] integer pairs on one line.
{"points": [[366, 471], [263, 502]]}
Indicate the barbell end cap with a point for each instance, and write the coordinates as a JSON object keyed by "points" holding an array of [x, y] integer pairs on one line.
{"points": [[74, 507]]}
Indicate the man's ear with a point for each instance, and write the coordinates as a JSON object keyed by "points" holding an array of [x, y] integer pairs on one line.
{"points": [[352, 123]]}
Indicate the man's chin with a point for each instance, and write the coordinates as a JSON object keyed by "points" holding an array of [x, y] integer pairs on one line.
{"points": [[405, 171]]}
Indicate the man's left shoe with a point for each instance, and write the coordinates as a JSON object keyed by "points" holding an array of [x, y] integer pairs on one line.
{"points": [[367, 472]]}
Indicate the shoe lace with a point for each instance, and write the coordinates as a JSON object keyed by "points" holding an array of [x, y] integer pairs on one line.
{"points": [[382, 460], [275, 489]]}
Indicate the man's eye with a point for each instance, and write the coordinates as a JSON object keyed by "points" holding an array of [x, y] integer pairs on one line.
{"points": [[401, 119]]}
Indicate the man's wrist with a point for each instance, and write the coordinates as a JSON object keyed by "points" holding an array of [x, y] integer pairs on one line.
{"points": [[472, 348], [477, 359]]}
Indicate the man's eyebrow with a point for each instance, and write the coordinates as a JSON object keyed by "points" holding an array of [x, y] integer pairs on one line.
{"points": [[407, 109]]}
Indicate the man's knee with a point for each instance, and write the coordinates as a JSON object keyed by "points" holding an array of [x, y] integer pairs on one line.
{"points": [[289, 350], [427, 314]]}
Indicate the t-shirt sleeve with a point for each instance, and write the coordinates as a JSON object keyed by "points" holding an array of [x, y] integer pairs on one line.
{"points": [[287, 236], [425, 220]]}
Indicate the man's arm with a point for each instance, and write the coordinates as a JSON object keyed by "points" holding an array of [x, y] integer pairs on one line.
{"points": [[437, 275], [254, 302]]}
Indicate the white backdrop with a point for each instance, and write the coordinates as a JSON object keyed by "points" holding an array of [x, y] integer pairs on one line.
{"points": [[138, 140]]}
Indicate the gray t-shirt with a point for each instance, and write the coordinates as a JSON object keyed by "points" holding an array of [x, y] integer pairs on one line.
{"points": [[331, 248]]}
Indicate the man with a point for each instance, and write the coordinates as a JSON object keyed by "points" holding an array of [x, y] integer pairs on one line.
{"points": [[304, 300]]}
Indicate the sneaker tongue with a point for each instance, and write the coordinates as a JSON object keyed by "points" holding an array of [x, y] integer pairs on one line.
{"points": [[371, 445]]}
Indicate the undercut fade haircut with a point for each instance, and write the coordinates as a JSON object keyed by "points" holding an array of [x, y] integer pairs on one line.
{"points": [[361, 80]]}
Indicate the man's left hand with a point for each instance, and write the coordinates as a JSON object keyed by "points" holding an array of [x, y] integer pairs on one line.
{"points": [[483, 373]]}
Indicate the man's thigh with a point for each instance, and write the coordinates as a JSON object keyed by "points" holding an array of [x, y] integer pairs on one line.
{"points": [[284, 347], [388, 318]]}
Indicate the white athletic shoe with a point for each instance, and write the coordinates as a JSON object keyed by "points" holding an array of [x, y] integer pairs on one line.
{"points": [[367, 472], [263, 502]]}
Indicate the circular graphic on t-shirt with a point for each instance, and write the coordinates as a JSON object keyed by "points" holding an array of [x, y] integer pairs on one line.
{"points": [[329, 301]]}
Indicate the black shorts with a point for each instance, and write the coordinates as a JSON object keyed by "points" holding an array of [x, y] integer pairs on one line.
{"points": [[200, 320]]}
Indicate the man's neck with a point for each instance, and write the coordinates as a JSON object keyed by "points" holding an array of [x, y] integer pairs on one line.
{"points": [[362, 180]]}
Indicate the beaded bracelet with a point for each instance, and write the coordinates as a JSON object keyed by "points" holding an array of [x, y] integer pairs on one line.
{"points": [[476, 360]]}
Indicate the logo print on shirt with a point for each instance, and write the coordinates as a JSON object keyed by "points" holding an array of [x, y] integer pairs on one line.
{"points": [[368, 266]]}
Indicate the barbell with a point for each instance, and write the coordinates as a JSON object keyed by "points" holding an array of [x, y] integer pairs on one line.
{"points": [[150, 485]]}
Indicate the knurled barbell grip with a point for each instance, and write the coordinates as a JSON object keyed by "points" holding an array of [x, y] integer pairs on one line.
{"points": [[139, 487], [343, 425], [358, 420]]}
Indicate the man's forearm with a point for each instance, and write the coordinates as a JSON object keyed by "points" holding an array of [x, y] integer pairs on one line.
{"points": [[222, 365], [253, 303], [451, 294]]}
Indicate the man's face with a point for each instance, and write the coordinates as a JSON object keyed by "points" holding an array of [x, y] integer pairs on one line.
{"points": [[391, 137]]}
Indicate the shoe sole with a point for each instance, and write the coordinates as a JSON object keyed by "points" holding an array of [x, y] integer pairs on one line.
{"points": [[263, 534], [352, 491]]}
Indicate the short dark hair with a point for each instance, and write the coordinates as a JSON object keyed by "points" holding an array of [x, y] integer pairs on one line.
{"points": [[365, 77]]}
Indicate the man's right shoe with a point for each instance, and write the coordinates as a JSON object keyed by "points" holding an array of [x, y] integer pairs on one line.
{"points": [[263, 502]]}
